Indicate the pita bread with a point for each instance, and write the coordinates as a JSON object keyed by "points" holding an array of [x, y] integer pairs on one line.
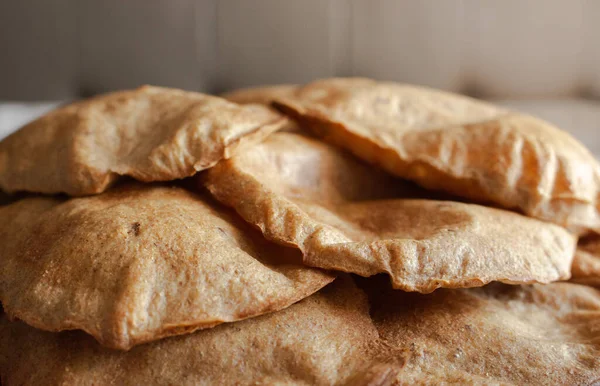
{"points": [[495, 334], [522, 335], [139, 263], [262, 95], [319, 341], [586, 264], [150, 134], [456, 144], [338, 212]]}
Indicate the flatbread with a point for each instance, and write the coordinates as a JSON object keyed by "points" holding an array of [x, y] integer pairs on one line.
{"points": [[521, 335], [586, 264], [456, 144], [263, 95], [495, 334], [139, 263], [320, 341], [150, 134], [345, 216]]}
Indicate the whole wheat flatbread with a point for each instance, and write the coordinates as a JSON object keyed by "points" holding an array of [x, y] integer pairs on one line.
{"points": [[150, 134], [322, 340], [345, 216], [139, 263], [344, 335], [586, 264], [521, 335], [456, 144]]}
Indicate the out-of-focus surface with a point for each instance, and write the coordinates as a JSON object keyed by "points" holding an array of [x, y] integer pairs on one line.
{"points": [[493, 49], [14, 115], [578, 116]]}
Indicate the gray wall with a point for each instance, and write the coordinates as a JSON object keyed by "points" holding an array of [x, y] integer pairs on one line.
{"points": [[62, 49]]}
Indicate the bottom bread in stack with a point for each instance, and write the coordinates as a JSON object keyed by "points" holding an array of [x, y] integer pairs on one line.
{"points": [[283, 259], [346, 334]]}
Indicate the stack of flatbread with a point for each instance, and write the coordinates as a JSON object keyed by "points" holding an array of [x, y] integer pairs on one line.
{"points": [[344, 232]]}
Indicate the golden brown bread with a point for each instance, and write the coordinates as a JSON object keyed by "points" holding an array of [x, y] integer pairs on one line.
{"points": [[139, 263], [521, 335], [320, 341], [456, 144], [342, 215], [346, 334], [150, 134]]}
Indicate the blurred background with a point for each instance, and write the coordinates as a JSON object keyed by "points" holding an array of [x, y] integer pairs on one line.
{"points": [[538, 56]]}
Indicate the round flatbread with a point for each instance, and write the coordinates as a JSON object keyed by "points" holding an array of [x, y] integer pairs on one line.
{"points": [[586, 264], [346, 335], [456, 144], [345, 216], [150, 134], [497, 334], [139, 263], [321, 340]]}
